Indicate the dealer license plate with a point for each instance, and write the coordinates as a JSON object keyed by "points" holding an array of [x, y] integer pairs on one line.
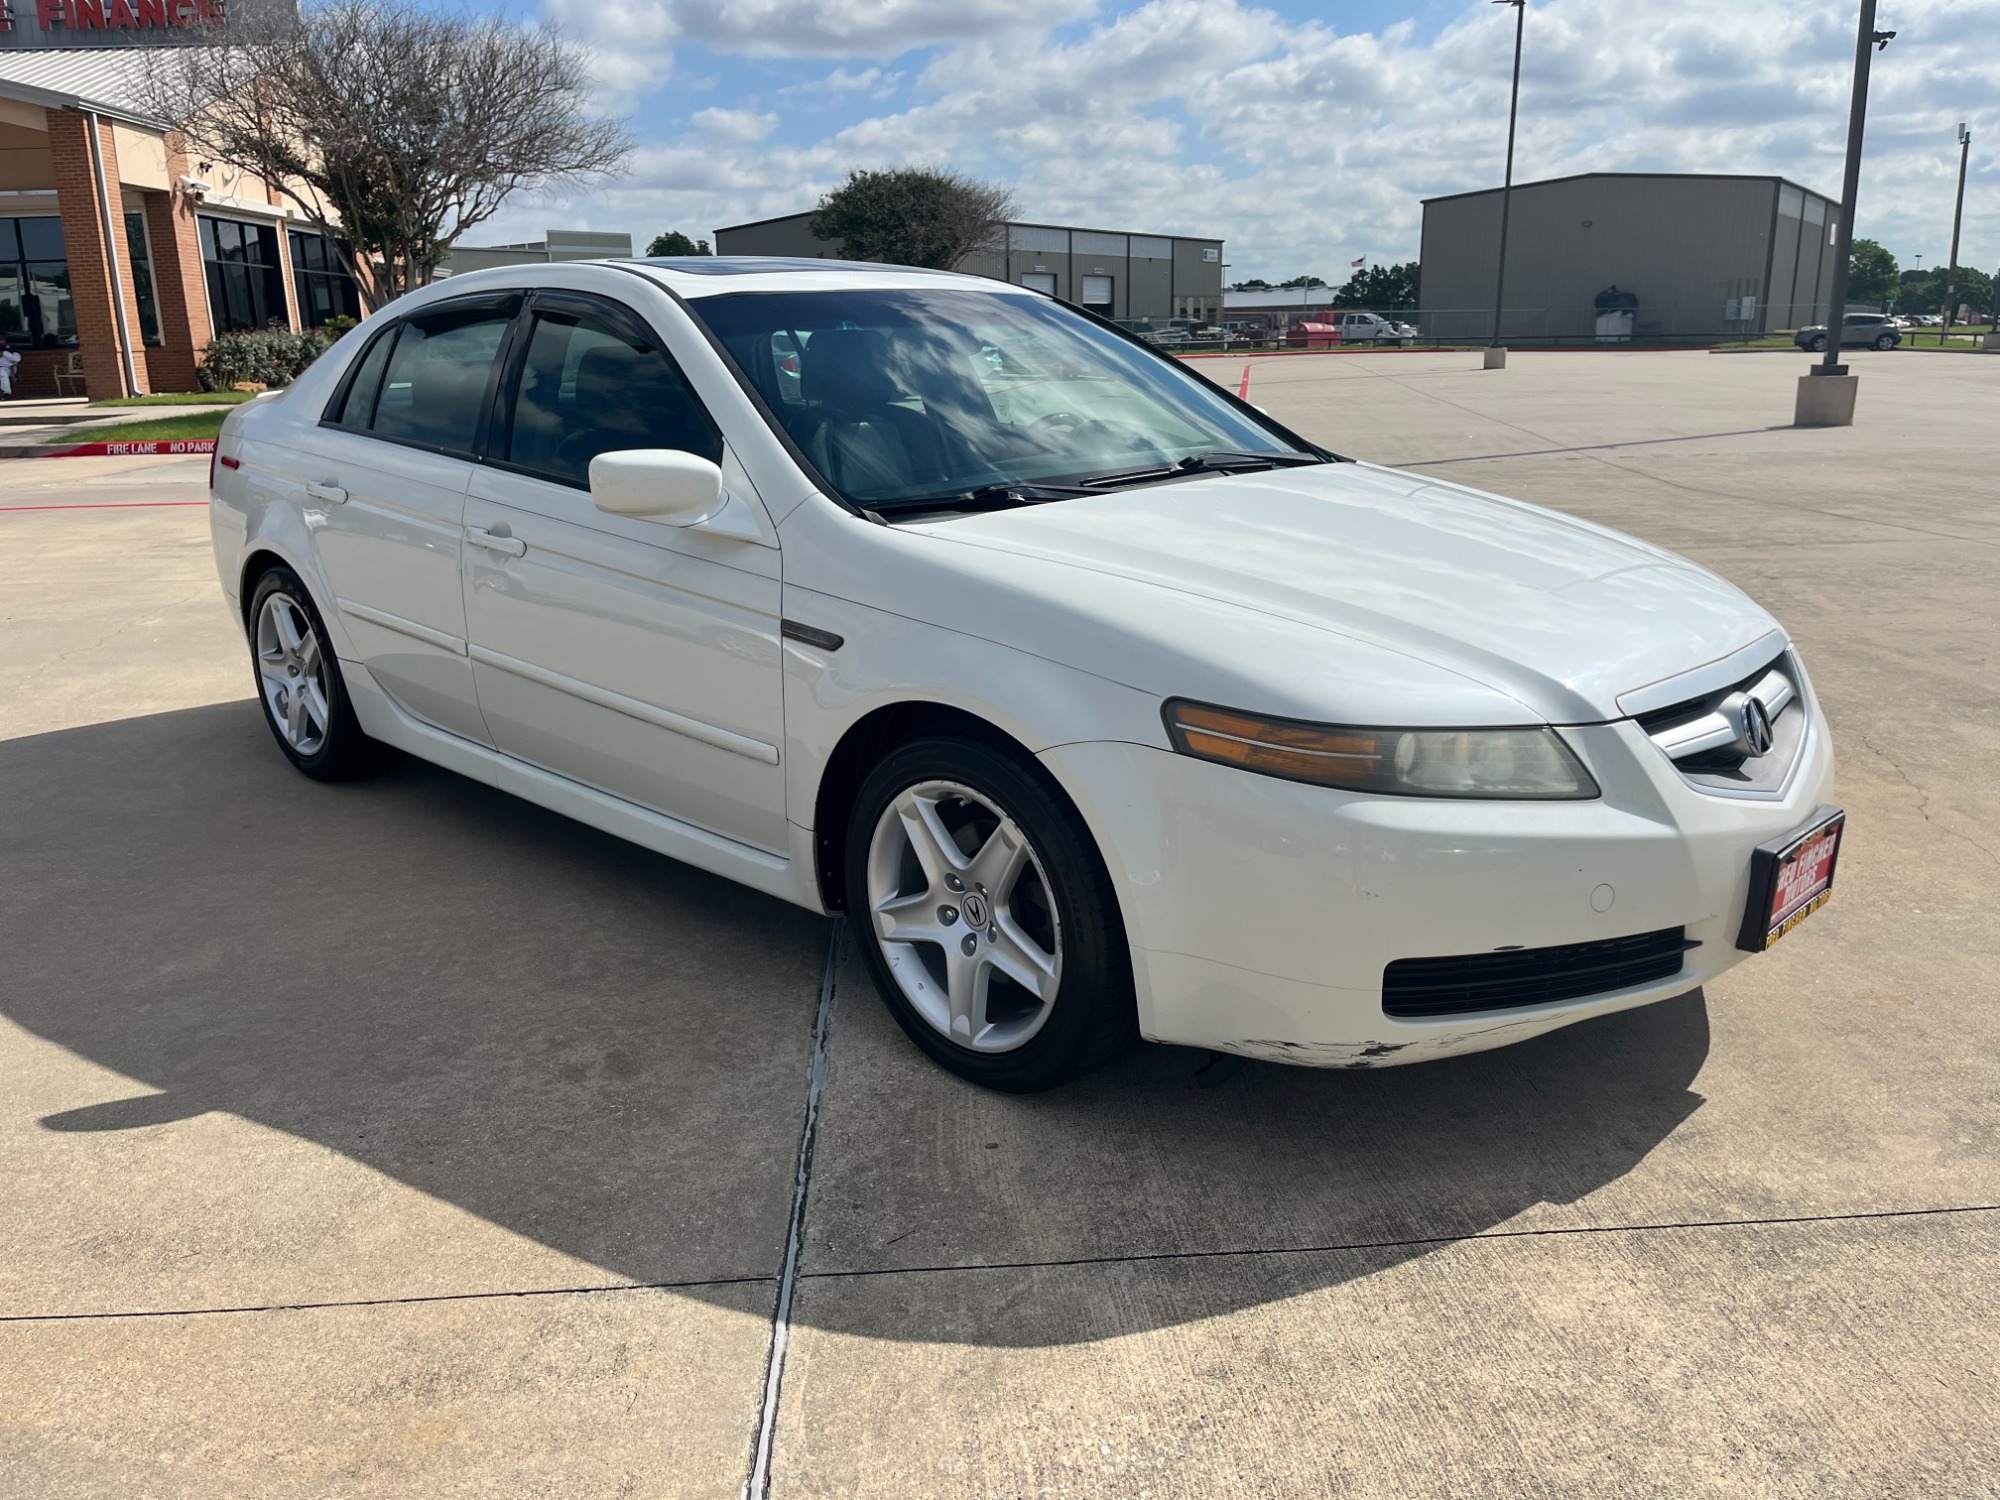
{"points": [[1791, 878]]}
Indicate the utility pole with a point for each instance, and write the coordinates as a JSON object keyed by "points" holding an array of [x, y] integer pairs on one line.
{"points": [[1496, 356], [1957, 217], [1823, 402]]}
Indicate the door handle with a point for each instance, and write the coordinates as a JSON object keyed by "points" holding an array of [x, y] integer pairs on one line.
{"points": [[332, 494], [512, 546]]}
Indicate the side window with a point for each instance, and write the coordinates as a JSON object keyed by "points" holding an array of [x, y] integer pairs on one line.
{"points": [[358, 406], [588, 388], [435, 385]]}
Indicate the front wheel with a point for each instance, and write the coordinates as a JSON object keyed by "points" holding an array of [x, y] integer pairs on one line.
{"points": [[986, 917], [1818, 345], [300, 687]]}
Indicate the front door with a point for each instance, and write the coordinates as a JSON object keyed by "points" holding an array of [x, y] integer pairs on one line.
{"points": [[637, 658], [386, 475]]}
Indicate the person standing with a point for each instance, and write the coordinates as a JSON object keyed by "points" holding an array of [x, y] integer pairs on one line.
{"points": [[9, 358]]}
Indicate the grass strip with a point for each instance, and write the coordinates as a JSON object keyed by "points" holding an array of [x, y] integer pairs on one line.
{"points": [[201, 424], [186, 398]]}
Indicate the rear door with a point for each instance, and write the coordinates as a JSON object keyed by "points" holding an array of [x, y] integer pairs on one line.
{"points": [[637, 658], [386, 473]]}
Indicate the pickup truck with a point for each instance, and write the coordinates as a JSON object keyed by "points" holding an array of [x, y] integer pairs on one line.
{"points": [[1368, 328]]}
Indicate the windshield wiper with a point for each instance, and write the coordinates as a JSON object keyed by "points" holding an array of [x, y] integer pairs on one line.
{"points": [[1216, 461], [1225, 458], [982, 497]]}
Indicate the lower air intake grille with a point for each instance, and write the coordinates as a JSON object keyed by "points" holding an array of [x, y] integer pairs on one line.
{"points": [[1530, 976]]}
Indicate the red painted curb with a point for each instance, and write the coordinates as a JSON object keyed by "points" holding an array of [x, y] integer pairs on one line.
{"points": [[112, 450]]}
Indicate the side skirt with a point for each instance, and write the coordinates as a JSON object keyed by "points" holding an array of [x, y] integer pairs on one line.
{"points": [[787, 878]]}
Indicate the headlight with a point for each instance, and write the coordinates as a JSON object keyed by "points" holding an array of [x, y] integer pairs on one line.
{"points": [[1528, 763]]}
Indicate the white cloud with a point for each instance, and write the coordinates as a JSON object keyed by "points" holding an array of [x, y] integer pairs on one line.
{"points": [[1304, 146], [743, 125], [874, 82], [860, 28]]}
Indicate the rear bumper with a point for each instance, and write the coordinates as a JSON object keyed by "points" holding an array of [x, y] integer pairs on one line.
{"points": [[1262, 913]]}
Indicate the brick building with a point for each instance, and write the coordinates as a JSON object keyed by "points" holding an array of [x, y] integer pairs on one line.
{"points": [[120, 251]]}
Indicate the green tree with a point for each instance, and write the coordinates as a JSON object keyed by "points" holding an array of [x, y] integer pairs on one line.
{"points": [[1307, 281], [391, 126], [1924, 291], [1380, 286], [914, 216], [1252, 285], [673, 242], [1871, 274]]}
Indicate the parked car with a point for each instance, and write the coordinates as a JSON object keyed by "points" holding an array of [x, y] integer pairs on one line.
{"points": [[1102, 703], [1163, 334], [1866, 330], [1372, 328]]}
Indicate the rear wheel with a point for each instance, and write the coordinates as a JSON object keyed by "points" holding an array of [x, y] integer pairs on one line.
{"points": [[300, 687], [986, 917], [1886, 341]]}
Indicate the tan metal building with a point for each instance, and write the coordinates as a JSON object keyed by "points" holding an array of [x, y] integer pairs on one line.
{"points": [[1114, 273], [1708, 256], [554, 245]]}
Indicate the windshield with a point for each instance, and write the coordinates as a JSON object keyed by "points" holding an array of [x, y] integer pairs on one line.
{"points": [[924, 395]]}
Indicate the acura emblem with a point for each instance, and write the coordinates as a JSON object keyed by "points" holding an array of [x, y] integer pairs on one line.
{"points": [[1756, 727], [977, 915]]}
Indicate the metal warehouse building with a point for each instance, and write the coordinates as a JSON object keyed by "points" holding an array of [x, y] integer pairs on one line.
{"points": [[1112, 273], [1706, 256]]}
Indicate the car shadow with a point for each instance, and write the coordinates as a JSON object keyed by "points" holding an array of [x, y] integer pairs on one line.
{"points": [[605, 1051]]}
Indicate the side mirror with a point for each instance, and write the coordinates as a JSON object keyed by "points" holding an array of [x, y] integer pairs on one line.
{"points": [[656, 484]]}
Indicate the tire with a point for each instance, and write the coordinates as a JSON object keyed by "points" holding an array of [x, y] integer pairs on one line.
{"points": [[1886, 341], [299, 685], [1818, 345], [1033, 899]]}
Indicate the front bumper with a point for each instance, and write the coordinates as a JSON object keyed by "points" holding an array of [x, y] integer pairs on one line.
{"points": [[1262, 913]]}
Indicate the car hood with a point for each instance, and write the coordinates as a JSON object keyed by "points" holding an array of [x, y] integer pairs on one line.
{"points": [[1555, 613]]}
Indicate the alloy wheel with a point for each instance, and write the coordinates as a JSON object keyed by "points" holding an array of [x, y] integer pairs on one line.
{"points": [[291, 670], [961, 906]]}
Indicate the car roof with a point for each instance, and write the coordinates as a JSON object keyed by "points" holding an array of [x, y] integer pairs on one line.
{"points": [[704, 276], [714, 275]]}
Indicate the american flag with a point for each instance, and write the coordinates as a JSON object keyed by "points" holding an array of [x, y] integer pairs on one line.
{"points": [[1356, 264]]}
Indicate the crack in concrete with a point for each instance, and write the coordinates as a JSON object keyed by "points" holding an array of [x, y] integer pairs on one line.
{"points": [[1923, 798], [757, 1485]]}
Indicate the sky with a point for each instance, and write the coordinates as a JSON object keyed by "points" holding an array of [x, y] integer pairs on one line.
{"points": [[1305, 135]]}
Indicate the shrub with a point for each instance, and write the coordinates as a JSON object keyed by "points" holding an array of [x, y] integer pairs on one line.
{"points": [[262, 356]]}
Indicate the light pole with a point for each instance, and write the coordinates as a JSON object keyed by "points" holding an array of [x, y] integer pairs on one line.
{"points": [[1829, 401], [1957, 216], [1496, 356]]}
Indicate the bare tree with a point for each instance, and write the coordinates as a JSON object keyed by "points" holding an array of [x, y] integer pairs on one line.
{"points": [[392, 128], [914, 216]]}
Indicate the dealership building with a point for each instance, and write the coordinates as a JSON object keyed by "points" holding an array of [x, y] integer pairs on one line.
{"points": [[1113, 273], [120, 255], [1691, 255]]}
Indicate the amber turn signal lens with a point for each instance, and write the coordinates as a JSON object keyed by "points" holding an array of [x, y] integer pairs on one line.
{"points": [[1494, 763]]}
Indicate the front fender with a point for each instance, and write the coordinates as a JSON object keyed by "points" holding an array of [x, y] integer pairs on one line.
{"points": [[888, 659]]}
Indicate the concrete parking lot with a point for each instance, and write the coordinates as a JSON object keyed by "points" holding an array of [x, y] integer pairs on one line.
{"points": [[399, 1139]]}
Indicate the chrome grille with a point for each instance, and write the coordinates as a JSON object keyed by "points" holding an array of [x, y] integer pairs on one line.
{"points": [[1712, 740]]}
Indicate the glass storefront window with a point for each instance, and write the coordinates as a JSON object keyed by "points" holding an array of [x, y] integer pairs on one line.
{"points": [[142, 278], [323, 287], [246, 287], [35, 305]]}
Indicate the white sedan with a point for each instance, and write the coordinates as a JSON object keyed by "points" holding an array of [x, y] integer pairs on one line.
{"points": [[1106, 706]]}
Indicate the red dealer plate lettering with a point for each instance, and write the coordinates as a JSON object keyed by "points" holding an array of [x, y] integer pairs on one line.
{"points": [[1791, 878]]}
